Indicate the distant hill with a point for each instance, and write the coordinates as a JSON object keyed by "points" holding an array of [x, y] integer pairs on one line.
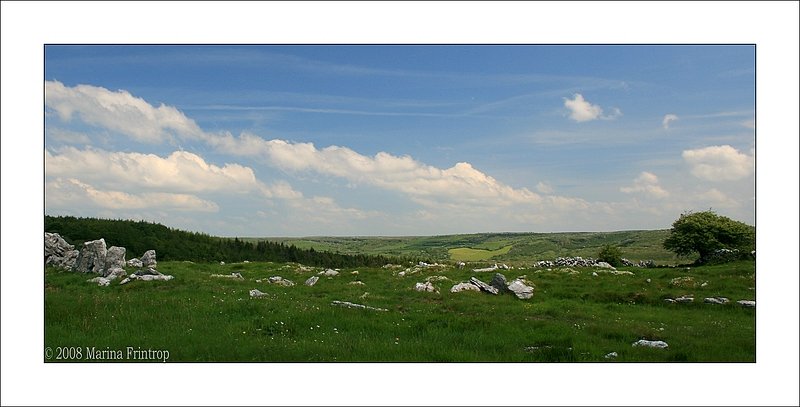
{"points": [[508, 247], [173, 244]]}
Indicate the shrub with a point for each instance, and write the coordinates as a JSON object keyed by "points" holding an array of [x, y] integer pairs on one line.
{"points": [[611, 255]]}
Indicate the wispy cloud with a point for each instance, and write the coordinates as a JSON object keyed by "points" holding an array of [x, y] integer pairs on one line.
{"points": [[647, 184], [669, 118]]}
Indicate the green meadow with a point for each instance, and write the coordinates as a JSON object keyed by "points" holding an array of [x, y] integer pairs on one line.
{"points": [[573, 316]]}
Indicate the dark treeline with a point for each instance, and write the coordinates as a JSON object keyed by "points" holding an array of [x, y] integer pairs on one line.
{"points": [[173, 244]]}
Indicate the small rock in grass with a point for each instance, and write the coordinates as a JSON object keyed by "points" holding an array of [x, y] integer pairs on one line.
{"points": [[311, 281], [520, 289], [651, 344], [747, 303], [426, 287], [594, 274], [716, 300], [684, 299], [255, 293], [611, 355], [464, 287], [483, 286]]}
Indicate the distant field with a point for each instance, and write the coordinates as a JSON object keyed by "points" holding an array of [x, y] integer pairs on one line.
{"points": [[511, 248], [469, 254]]}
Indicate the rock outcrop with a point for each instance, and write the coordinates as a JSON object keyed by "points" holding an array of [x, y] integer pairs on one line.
{"points": [[92, 257], [58, 253]]}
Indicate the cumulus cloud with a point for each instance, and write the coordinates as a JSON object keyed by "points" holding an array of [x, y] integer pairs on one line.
{"points": [[717, 198], [581, 110], [668, 119], [423, 183], [719, 163], [119, 111], [70, 192], [544, 188], [180, 171], [646, 183]]}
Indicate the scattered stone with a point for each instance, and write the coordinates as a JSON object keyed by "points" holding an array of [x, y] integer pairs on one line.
{"points": [[520, 289], [365, 295], [492, 268], [705, 284], [432, 279], [356, 283], [222, 263], [135, 263], [328, 273], [148, 271], [392, 266], [648, 280], [125, 281], [594, 274], [237, 276], [151, 277], [499, 282], [101, 281], [401, 274], [92, 257], [352, 305], [483, 286], [355, 273], [669, 300], [611, 355], [426, 286], [651, 344], [684, 299], [615, 272], [149, 259], [275, 279], [464, 287], [311, 281], [254, 293], [716, 300], [59, 253], [684, 282], [604, 265], [115, 273], [461, 264], [747, 303], [278, 280]]}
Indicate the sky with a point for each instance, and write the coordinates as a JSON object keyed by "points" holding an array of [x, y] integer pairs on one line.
{"points": [[368, 140]]}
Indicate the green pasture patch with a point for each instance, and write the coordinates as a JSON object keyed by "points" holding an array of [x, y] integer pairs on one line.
{"points": [[470, 254]]}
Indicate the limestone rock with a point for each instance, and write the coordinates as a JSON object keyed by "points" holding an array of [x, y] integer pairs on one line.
{"points": [[436, 278], [255, 293], [114, 273], [149, 259], [464, 287], [149, 271], [152, 277], [684, 299], [483, 286], [59, 253], [716, 300], [115, 259], [492, 268], [328, 273], [499, 282], [92, 258], [275, 279], [135, 263], [520, 289], [348, 304], [101, 281], [651, 344], [604, 265], [611, 355], [236, 276], [747, 303], [311, 281], [356, 283], [426, 287]]}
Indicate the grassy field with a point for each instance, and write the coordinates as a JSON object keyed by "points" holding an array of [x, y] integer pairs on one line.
{"points": [[572, 317], [522, 248]]}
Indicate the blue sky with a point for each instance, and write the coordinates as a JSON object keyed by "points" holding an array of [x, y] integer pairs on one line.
{"points": [[399, 140]]}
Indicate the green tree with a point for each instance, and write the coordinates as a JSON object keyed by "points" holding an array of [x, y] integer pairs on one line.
{"points": [[706, 232], [610, 254]]}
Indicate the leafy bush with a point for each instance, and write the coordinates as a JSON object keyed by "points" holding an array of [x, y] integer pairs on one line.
{"points": [[707, 234], [611, 255]]}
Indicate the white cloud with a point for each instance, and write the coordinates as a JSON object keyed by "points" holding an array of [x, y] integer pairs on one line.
{"points": [[544, 187], [119, 111], [646, 183], [668, 119], [63, 193], [719, 163], [181, 171], [716, 198], [581, 110], [66, 136]]}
